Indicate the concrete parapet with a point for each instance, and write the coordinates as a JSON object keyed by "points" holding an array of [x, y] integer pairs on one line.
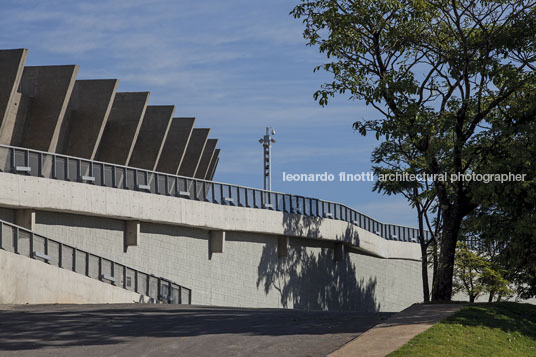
{"points": [[175, 145], [11, 68], [86, 117], [206, 158], [49, 89], [19, 191], [122, 127], [213, 164], [194, 151], [34, 282], [152, 135]]}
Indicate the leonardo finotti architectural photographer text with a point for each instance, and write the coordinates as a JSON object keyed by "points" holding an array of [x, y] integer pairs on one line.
{"points": [[402, 176]]}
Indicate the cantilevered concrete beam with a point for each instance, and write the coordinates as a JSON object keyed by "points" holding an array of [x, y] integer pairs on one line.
{"points": [[153, 133], [175, 145], [206, 158], [49, 89], [214, 171], [11, 68], [194, 151], [212, 167], [86, 117], [122, 127]]}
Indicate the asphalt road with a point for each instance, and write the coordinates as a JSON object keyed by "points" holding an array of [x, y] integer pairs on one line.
{"points": [[175, 330]]}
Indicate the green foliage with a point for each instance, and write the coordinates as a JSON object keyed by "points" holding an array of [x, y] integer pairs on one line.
{"points": [[474, 275], [443, 76], [498, 329]]}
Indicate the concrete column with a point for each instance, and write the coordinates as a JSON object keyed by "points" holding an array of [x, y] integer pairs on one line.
{"points": [[339, 252], [49, 88], [206, 158], [25, 218], [194, 151], [131, 236], [212, 168], [217, 241], [175, 145], [153, 133], [122, 127], [11, 68], [282, 246], [86, 117]]}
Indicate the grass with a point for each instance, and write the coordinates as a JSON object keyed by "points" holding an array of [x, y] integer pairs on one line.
{"points": [[497, 329]]}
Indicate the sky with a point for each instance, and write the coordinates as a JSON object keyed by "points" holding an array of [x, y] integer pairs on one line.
{"points": [[238, 66]]}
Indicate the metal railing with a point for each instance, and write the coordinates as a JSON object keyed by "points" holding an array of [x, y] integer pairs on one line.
{"points": [[61, 167], [21, 241]]}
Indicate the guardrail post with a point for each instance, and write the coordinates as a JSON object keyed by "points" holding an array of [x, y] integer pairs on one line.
{"points": [[60, 255], [74, 259], [40, 164], [12, 159], [124, 277], [16, 242], [32, 245], [87, 264], [46, 248]]}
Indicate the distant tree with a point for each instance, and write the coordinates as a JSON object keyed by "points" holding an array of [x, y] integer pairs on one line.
{"points": [[437, 72], [474, 275]]}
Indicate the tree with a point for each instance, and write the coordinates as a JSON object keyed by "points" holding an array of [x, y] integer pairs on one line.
{"points": [[437, 72], [474, 275], [504, 224], [395, 156]]}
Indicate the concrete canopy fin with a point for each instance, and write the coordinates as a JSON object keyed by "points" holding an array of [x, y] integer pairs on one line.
{"points": [[122, 127], [194, 151], [11, 68], [206, 158], [153, 133], [212, 168], [175, 145], [87, 114], [49, 91]]}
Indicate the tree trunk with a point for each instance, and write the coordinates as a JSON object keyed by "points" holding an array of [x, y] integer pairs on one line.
{"points": [[424, 258], [435, 264], [491, 295], [451, 227], [471, 298]]}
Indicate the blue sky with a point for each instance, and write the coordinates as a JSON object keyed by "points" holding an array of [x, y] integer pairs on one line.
{"points": [[237, 66]]}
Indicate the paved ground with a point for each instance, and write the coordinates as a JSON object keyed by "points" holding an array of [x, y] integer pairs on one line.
{"points": [[397, 330], [171, 330]]}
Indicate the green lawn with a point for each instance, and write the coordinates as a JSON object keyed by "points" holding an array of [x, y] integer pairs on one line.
{"points": [[497, 329]]}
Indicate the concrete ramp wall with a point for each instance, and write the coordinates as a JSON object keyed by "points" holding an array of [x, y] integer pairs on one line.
{"points": [[28, 281]]}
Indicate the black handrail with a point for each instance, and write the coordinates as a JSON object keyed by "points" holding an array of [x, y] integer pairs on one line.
{"points": [[62, 167], [39, 247]]}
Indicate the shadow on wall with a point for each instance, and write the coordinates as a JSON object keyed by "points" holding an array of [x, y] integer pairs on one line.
{"points": [[309, 278]]}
